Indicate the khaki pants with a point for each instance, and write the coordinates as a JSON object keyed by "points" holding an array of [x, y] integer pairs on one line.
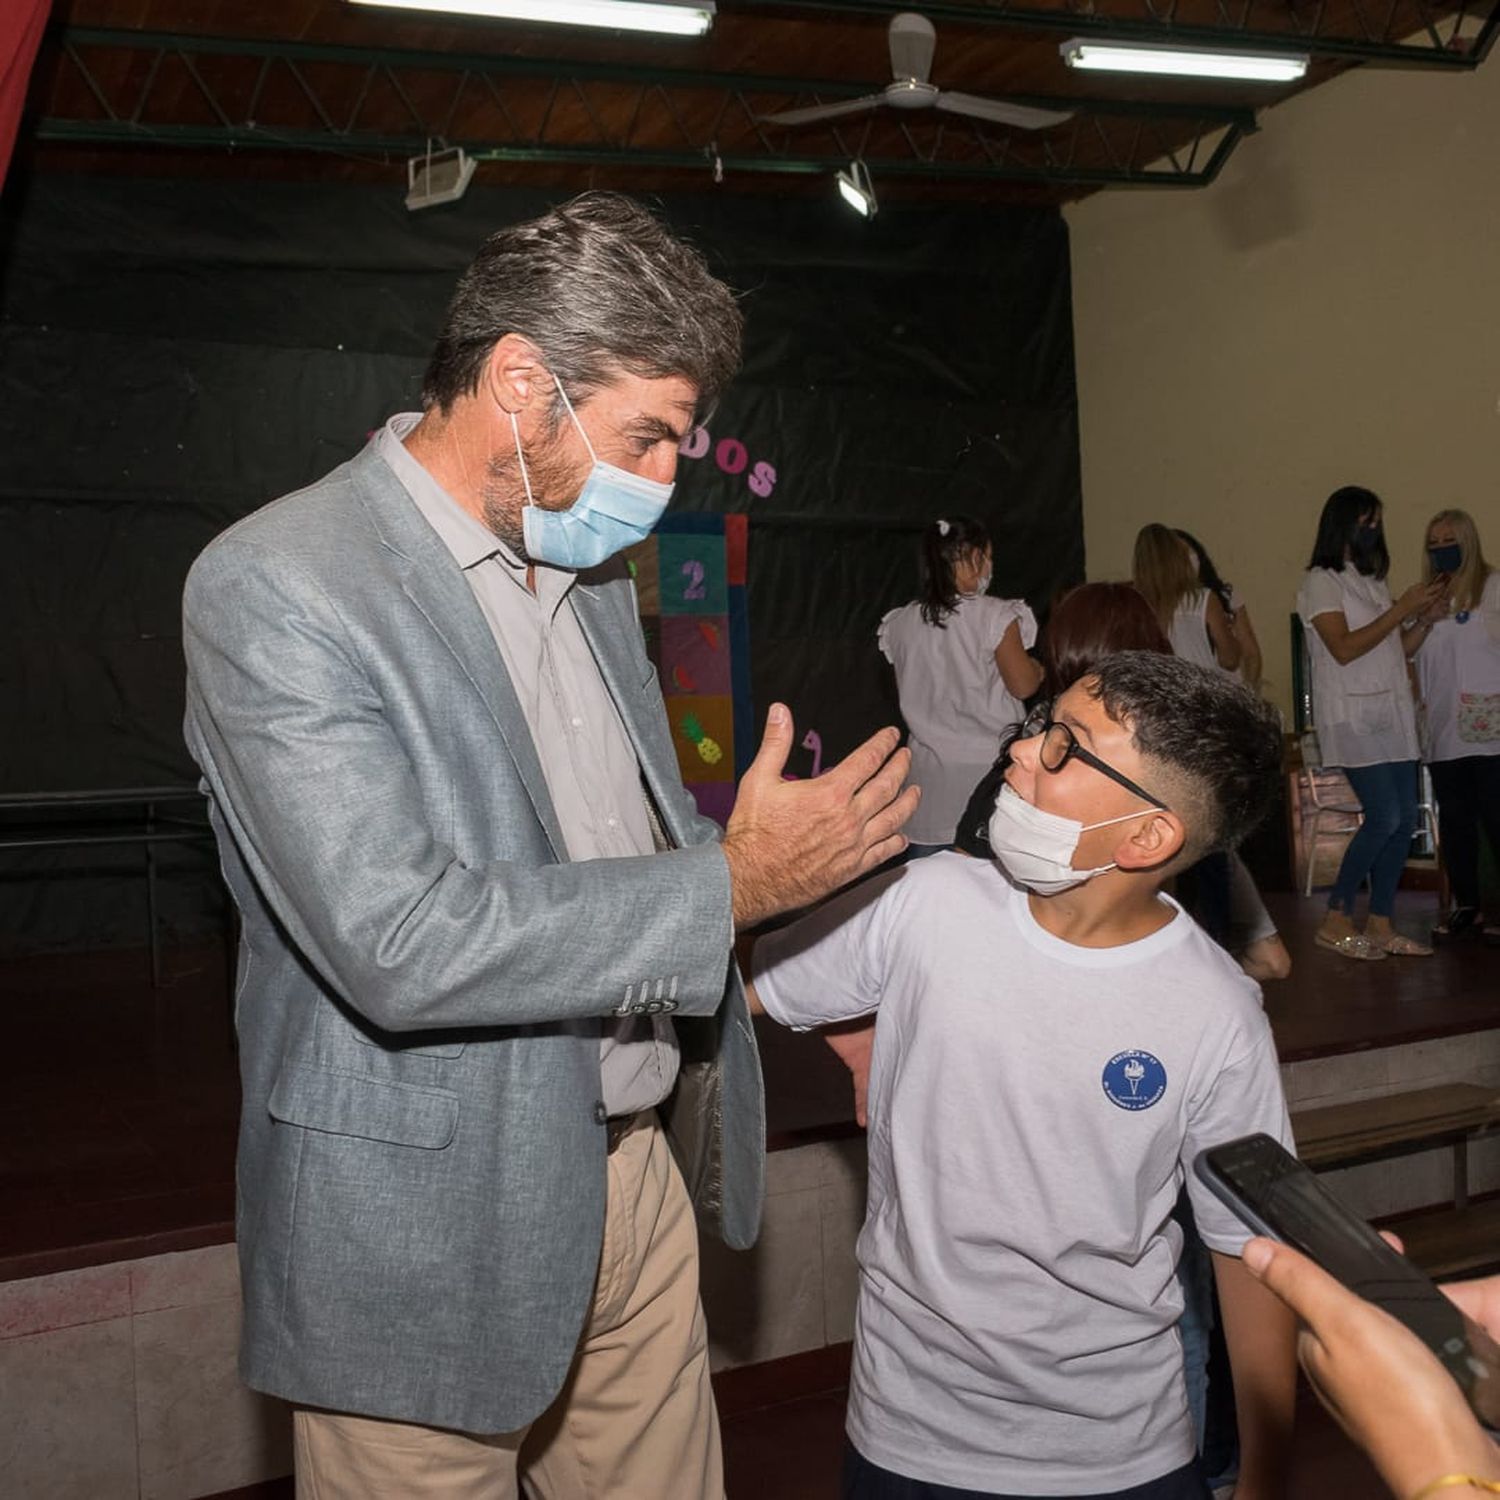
{"points": [[636, 1418]]}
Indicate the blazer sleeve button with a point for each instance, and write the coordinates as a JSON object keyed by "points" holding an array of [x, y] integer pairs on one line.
{"points": [[601, 1114]]}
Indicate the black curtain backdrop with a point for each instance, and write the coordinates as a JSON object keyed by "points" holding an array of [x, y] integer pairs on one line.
{"points": [[174, 354]]}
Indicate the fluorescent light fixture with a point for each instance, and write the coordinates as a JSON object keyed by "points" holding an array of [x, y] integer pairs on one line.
{"points": [[1182, 62], [857, 190], [671, 17]]}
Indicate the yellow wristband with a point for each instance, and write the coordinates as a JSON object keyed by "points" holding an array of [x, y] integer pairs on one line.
{"points": [[1452, 1482]]}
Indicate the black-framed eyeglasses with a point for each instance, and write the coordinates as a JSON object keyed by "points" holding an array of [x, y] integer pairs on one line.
{"points": [[1060, 745]]}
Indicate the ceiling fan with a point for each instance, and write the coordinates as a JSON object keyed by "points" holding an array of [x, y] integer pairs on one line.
{"points": [[912, 40]]}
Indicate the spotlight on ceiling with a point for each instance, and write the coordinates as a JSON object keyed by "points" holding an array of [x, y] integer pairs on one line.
{"points": [[670, 17], [1184, 62], [440, 176], [857, 190]]}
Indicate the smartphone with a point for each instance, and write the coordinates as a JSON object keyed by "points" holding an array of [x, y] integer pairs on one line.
{"points": [[1276, 1195]]}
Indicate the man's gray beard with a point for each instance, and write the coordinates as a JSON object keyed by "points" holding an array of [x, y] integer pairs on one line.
{"points": [[511, 532], [503, 518]]}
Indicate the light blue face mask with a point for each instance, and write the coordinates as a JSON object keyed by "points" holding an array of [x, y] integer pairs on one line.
{"points": [[614, 510]]}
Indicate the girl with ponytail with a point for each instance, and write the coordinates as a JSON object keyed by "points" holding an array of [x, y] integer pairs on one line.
{"points": [[962, 673]]}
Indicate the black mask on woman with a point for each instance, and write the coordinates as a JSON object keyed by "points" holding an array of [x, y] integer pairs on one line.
{"points": [[1364, 548]]}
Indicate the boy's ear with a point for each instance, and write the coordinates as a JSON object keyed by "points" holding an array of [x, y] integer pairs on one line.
{"points": [[1155, 840]]}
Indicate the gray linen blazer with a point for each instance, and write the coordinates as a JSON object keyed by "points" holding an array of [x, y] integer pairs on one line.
{"points": [[421, 1158]]}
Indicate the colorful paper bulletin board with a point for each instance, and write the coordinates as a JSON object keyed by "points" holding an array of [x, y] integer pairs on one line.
{"points": [[690, 582]]}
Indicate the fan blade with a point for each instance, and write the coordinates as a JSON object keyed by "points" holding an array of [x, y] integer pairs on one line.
{"points": [[823, 111], [912, 40], [1022, 116]]}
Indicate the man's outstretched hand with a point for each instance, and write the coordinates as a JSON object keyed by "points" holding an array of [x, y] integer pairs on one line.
{"points": [[790, 843]]}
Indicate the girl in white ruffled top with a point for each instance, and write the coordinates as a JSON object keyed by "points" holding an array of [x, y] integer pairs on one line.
{"points": [[962, 673], [1458, 672]]}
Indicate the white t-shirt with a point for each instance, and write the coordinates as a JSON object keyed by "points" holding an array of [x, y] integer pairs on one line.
{"points": [[1362, 710], [954, 701], [1189, 632], [1034, 1108]]}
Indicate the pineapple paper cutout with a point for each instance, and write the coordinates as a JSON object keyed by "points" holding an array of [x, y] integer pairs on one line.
{"points": [[709, 749]]}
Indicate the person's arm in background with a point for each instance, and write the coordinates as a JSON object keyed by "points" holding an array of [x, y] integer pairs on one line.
{"points": [[1251, 662], [1346, 645], [1221, 633], [1021, 674], [1261, 1336], [1383, 1385]]}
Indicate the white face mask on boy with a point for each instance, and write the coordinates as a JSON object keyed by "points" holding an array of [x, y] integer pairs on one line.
{"points": [[1036, 848]]}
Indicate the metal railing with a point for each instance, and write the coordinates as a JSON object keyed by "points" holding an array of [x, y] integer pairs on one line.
{"points": [[149, 821]]}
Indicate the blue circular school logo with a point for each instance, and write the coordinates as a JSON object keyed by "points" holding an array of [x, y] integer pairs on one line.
{"points": [[1134, 1079]]}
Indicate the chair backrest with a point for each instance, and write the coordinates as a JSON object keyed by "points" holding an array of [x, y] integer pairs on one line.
{"points": [[1327, 788], [1302, 704]]}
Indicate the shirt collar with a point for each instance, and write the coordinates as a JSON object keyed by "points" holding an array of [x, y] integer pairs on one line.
{"points": [[468, 539]]}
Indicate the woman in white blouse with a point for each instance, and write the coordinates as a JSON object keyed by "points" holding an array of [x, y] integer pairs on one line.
{"points": [[962, 673], [1458, 672], [1165, 570], [1358, 641], [1240, 623]]}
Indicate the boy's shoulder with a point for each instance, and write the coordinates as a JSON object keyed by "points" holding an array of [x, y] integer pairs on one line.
{"points": [[1179, 954], [953, 876]]}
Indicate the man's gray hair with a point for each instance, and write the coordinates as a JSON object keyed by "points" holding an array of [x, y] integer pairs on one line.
{"points": [[600, 286]]}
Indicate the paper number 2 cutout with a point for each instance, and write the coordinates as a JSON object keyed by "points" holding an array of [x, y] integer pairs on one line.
{"points": [[696, 588]]}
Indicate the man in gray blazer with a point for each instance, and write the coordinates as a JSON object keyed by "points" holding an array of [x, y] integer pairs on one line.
{"points": [[485, 969]]}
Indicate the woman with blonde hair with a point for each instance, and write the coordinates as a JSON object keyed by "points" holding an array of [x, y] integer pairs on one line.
{"points": [[1457, 657], [1251, 661], [1194, 618]]}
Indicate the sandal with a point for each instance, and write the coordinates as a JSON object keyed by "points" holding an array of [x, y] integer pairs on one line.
{"points": [[1460, 923], [1353, 945], [1401, 946]]}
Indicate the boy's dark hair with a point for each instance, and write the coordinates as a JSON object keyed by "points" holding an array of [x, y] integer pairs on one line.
{"points": [[1207, 732], [600, 285]]}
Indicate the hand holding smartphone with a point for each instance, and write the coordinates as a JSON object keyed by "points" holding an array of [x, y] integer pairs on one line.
{"points": [[1276, 1195]]}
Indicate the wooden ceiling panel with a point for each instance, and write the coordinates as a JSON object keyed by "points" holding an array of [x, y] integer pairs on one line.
{"points": [[102, 105]]}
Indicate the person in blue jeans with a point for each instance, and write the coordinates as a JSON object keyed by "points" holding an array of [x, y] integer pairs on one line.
{"points": [[1359, 641]]}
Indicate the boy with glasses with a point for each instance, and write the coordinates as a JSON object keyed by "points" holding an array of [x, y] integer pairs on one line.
{"points": [[1057, 1041]]}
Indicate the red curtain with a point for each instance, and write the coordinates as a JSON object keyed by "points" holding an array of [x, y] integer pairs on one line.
{"points": [[21, 23]]}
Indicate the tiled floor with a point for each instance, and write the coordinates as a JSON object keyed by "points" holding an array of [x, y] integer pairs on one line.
{"points": [[118, 1103], [794, 1450]]}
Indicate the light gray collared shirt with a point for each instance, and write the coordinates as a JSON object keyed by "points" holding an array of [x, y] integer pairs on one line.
{"points": [[592, 772]]}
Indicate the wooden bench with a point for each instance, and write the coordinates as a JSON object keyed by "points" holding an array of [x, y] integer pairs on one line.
{"points": [[1444, 1241], [1452, 1241]]}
